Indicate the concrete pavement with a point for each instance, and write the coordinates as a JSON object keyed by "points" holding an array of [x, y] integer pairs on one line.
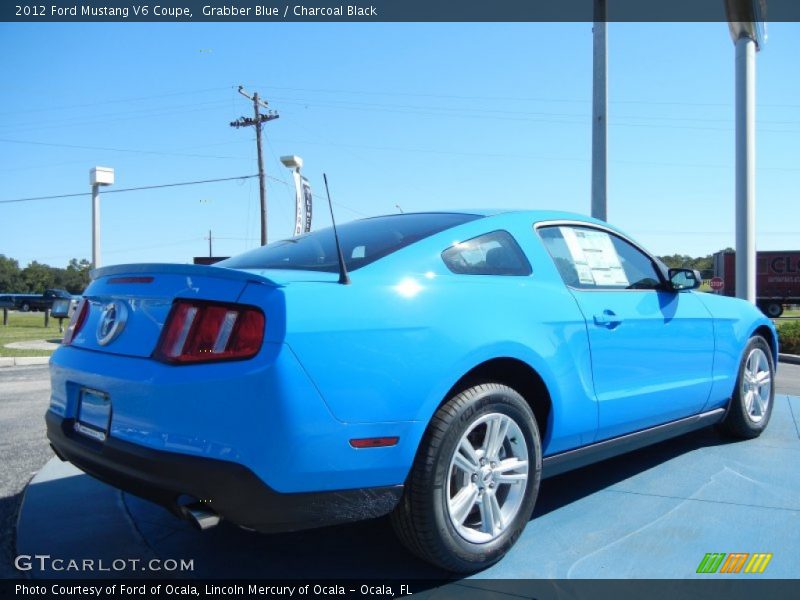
{"points": [[654, 513]]}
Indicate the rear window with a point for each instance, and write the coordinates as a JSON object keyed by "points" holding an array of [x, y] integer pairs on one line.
{"points": [[495, 253], [363, 242]]}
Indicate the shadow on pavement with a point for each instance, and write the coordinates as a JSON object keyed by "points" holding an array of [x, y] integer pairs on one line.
{"points": [[96, 521], [9, 507], [565, 489], [366, 549]]}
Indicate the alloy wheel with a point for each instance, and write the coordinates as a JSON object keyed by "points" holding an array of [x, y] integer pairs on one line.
{"points": [[487, 478]]}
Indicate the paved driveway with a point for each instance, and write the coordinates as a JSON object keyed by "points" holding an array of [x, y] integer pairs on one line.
{"points": [[653, 513]]}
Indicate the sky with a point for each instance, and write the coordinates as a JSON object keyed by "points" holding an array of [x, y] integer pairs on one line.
{"points": [[419, 116]]}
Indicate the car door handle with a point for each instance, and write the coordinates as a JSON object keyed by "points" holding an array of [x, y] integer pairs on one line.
{"points": [[608, 318]]}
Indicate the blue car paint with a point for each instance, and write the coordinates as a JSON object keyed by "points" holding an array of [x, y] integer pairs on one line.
{"points": [[734, 323], [377, 358], [666, 381], [287, 437]]}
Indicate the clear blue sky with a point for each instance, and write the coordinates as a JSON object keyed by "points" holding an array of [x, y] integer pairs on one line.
{"points": [[421, 115]]}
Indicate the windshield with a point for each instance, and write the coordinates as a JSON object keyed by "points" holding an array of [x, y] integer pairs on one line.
{"points": [[363, 242]]}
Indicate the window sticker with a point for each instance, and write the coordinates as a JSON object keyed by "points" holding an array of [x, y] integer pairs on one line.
{"points": [[596, 260]]}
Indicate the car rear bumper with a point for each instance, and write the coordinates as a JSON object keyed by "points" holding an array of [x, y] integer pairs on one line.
{"points": [[264, 414], [229, 489]]}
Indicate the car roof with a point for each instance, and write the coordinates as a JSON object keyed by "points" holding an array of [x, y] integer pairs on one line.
{"points": [[534, 215]]}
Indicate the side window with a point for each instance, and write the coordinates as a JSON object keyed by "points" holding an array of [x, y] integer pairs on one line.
{"points": [[589, 258], [495, 253], [639, 268]]}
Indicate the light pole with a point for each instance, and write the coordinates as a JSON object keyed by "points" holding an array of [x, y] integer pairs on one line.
{"points": [[296, 163], [745, 20], [98, 176]]}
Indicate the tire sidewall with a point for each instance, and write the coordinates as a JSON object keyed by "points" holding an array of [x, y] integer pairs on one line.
{"points": [[494, 398], [739, 396]]}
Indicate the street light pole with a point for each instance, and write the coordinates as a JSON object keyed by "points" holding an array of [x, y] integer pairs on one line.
{"points": [[746, 23], [746, 169], [98, 176], [95, 225]]}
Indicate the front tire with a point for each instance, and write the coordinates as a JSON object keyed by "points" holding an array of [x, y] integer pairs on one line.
{"points": [[25, 307], [751, 406], [474, 481]]}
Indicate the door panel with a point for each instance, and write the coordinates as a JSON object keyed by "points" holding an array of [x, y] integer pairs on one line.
{"points": [[651, 362], [651, 349]]}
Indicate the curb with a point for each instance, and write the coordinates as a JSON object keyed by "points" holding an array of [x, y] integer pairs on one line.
{"points": [[792, 359], [23, 361]]}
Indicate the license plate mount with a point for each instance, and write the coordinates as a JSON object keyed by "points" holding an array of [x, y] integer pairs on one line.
{"points": [[94, 414]]}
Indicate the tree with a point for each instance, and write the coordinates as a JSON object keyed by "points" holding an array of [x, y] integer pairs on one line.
{"points": [[704, 264], [76, 275], [10, 275], [37, 278]]}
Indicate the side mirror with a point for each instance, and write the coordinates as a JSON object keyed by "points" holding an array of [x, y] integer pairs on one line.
{"points": [[684, 279]]}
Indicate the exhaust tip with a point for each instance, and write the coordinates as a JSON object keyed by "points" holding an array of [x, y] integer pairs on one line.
{"points": [[201, 516]]}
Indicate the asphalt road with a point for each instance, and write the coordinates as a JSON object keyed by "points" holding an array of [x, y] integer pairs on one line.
{"points": [[24, 393], [788, 379]]}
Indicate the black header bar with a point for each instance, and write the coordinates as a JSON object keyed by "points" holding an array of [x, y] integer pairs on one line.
{"points": [[375, 11]]}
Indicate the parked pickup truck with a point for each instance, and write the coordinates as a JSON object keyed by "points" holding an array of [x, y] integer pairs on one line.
{"points": [[26, 302]]}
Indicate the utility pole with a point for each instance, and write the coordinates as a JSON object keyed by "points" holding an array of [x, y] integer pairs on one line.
{"points": [[256, 122], [210, 254], [600, 114]]}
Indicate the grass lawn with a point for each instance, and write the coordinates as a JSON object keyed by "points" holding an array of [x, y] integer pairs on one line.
{"points": [[27, 326]]}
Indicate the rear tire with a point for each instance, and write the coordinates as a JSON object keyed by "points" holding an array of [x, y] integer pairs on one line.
{"points": [[474, 481], [773, 310], [751, 406], [25, 307]]}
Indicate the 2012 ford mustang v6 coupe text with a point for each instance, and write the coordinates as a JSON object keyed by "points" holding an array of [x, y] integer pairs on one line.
{"points": [[470, 355]]}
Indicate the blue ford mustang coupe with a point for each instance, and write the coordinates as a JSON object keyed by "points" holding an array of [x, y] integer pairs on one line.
{"points": [[461, 358]]}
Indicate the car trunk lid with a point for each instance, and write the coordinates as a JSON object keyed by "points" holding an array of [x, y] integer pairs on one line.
{"points": [[129, 304]]}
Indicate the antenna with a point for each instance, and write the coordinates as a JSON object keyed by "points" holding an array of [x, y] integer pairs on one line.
{"points": [[343, 276]]}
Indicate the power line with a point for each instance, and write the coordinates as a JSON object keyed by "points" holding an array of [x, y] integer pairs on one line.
{"points": [[153, 246], [149, 113], [133, 189], [576, 120], [107, 149], [513, 98], [518, 155], [487, 112], [117, 100]]}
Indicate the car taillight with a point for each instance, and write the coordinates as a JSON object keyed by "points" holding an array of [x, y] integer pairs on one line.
{"points": [[206, 331], [76, 322]]}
